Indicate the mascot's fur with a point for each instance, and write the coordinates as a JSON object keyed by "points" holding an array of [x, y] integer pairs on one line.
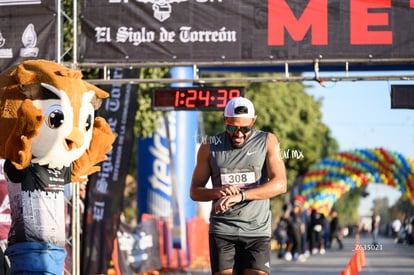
{"points": [[21, 120], [49, 137]]}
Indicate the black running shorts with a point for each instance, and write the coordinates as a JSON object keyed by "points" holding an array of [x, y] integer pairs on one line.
{"points": [[238, 253]]}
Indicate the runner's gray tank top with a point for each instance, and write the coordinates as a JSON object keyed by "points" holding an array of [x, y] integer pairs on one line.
{"points": [[244, 167]]}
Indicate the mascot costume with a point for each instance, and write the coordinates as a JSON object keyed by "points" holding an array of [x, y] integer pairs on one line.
{"points": [[49, 137]]}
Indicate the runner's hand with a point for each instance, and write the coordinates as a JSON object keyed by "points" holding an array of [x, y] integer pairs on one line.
{"points": [[228, 190], [224, 203]]}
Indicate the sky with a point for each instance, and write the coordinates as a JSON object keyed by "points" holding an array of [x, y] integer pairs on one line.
{"points": [[359, 115]]}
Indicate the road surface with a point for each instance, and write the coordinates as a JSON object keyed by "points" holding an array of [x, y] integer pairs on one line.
{"points": [[389, 259]]}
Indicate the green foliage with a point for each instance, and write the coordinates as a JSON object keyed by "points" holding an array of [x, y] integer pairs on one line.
{"points": [[146, 119], [347, 206], [402, 209], [130, 201], [67, 26]]}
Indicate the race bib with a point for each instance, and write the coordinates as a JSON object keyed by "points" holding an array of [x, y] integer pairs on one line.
{"points": [[240, 179]]}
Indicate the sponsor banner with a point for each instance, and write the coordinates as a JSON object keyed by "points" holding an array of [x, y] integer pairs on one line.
{"points": [[158, 191], [154, 171], [27, 31], [105, 191], [165, 165], [166, 161], [246, 30], [139, 247]]}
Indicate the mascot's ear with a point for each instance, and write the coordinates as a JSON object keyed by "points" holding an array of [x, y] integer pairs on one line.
{"points": [[22, 75], [99, 94], [96, 102]]}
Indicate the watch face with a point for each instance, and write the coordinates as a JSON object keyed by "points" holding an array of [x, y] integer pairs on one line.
{"points": [[194, 98]]}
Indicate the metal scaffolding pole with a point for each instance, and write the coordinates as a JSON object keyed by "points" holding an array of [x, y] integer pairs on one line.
{"points": [[75, 33], [76, 230], [59, 32]]}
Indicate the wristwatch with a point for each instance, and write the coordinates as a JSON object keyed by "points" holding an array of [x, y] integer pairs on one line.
{"points": [[243, 195]]}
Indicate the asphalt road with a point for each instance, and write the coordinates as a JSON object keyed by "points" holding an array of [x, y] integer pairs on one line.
{"points": [[388, 258]]}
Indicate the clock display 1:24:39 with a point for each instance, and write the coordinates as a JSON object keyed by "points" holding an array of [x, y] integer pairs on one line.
{"points": [[202, 98]]}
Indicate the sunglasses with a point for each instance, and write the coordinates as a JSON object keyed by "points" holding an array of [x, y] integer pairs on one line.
{"points": [[233, 129]]}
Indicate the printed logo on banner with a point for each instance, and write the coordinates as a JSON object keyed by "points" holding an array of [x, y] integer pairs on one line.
{"points": [[139, 247], [2, 40], [162, 9], [29, 39], [4, 53]]}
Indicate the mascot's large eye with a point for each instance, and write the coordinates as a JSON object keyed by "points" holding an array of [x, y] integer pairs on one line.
{"points": [[88, 123], [55, 117]]}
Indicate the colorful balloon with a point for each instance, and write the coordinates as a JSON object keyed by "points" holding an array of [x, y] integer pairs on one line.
{"points": [[326, 181]]}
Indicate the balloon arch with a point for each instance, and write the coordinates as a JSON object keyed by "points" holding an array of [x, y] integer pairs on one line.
{"points": [[327, 180]]}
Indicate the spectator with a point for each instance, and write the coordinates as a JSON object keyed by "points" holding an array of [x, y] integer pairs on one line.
{"points": [[317, 232], [325, 234], [375, 221], [305, 220], [334, 230], [396, 227], [296, 229], [280, 233]]}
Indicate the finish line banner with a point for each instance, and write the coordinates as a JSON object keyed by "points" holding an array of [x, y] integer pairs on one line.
{"points": [[27, 31], [245, 30]]}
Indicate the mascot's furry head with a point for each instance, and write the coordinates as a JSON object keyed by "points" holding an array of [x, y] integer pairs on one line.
{"points": [[47, 117]]}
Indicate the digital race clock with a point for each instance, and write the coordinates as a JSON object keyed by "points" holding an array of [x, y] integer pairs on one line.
{"points": [[193, 98]]}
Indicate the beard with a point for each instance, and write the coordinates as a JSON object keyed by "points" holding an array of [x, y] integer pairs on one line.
{"points": [[239, 141]]}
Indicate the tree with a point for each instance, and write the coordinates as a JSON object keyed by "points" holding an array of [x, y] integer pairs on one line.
{"points": [[402, 209], [146, 120], [346, 206]]}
